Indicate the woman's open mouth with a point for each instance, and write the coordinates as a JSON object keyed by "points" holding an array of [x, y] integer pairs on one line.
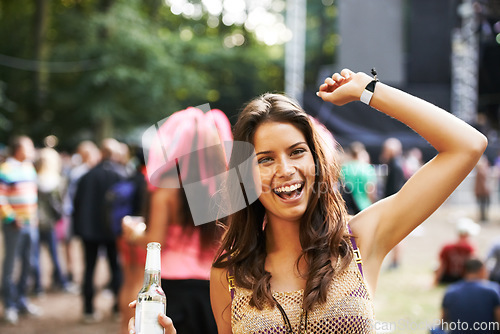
{"points": [[291, 191]]}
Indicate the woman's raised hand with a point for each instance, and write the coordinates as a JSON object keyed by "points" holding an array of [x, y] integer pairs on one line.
{"points": [[343, 87]]}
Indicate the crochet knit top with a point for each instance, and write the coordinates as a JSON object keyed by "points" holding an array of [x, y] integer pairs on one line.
{"points": [[347, 310]]}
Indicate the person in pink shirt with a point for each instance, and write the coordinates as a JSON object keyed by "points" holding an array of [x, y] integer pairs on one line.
{"points": [[188, 246]]}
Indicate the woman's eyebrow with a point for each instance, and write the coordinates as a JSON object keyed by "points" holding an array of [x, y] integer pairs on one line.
{"points": [[264, 152], [290, 147], [297, 144]]}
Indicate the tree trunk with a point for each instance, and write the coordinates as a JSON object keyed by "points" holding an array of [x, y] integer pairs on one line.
{"points": [[105, 128], [41, 74]]}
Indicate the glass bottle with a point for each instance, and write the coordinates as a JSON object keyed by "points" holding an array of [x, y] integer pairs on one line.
{"points": [[151, 299]]}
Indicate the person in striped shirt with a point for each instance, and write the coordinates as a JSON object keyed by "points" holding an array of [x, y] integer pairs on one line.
{"points": [[18, 215]]}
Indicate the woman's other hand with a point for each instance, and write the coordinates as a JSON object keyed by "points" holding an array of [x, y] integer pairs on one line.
{"points": [[164, 321], [132, 228]]}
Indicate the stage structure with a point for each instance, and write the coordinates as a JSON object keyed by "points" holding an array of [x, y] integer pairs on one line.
{"points": [[295, 49], [465, 64]]}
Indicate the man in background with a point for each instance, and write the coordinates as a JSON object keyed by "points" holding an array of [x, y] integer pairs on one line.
{"points": [[88, 156], [91, 223], [472, 305], [18, 215]]}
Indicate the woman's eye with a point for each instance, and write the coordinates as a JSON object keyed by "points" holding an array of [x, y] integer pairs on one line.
{"points": [[298, 151], [264, 160]]}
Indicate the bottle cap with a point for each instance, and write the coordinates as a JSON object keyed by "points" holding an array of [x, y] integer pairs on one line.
{"points": [[153, 261]]}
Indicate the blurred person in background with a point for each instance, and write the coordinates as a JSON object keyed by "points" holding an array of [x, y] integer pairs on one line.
{"points": [[50, 209], [452, 256], [392, 156], [86, 157], [482, 189], [3, 153], [187, 250], [91, 225], [359, 179], [475, 301], [125, 158], [496, 173], [412, 162], [493, 261], [18, 214], [130, 197]]}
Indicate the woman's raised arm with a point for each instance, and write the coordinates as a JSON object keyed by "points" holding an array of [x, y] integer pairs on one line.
{"points": [[384, 224]]}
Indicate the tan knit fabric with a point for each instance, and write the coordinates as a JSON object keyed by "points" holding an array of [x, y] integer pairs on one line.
{"points": [[348, 309]]}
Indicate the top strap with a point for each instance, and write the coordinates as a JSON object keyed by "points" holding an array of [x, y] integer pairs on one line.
{"points": [[230, 283], [356, 252]]}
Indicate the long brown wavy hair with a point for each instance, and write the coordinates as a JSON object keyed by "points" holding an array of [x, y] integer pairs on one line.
{"points": [[323, 234]]}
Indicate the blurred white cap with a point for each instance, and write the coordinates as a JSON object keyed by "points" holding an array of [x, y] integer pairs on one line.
{"points": [[467, 226]]}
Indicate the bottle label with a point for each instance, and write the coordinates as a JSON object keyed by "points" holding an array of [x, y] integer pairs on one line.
{"points": [[147, 318]]}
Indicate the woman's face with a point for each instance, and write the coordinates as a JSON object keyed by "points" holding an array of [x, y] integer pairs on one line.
{"points": [[286, 167]]}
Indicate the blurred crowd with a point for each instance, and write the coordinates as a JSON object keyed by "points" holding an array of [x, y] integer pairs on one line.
{"points": [[48, 198]]}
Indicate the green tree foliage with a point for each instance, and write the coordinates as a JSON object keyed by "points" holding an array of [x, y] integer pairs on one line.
{"points": [[112, 66], [15, 88], [322, 39]]}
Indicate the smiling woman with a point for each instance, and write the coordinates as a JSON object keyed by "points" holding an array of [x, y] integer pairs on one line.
{"points": [[290, 262]]}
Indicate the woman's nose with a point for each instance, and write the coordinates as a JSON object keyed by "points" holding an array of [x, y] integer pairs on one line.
{"points": [[285, 168]]}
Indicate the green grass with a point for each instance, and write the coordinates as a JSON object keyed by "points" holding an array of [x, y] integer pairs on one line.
{"points": [[406, 297]]}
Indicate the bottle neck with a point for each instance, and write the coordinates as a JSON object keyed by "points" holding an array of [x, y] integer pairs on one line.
{"points": [[152, 277], [153, 265]]}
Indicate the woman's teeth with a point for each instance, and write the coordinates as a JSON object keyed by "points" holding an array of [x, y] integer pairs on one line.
{"points": [[289, 192], [288, 188]]}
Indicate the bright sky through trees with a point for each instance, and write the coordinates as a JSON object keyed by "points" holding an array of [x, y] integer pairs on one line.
{"points": [[263, 17]]}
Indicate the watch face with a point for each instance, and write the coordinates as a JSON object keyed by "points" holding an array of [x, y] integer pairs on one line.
{"points": [[371, 86]]}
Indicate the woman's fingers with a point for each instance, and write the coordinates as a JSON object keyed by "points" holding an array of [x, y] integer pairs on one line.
{"points": [[131, 325], [338, 78], [343, 87], [330, 82], [166, 323], [346, 73], [334, 82], [131, 322]]}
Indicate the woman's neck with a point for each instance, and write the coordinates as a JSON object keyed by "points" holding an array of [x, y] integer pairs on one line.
{"points": [[283, 250], [283, 236]]}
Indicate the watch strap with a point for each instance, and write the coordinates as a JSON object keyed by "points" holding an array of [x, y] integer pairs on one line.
{"points": [[367, 94]]}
